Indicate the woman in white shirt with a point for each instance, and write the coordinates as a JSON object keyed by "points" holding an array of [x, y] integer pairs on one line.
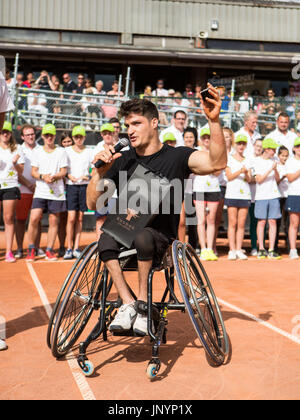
{"points": [[237, 197], [293, 199], [207, 194], [11, 166], [79, 163]]}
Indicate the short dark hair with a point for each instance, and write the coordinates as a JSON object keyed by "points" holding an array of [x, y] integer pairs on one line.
{"points": [[179, 111], [142, 107], [194, 131], [114, 120], [283, 114], [282, 149], [27, 126]]}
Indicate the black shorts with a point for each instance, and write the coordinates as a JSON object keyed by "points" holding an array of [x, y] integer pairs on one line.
{"points": [[207, 196], [236, 202], [76, 197], [109, 248], [10, 194], [292, 204], [49, 206]]}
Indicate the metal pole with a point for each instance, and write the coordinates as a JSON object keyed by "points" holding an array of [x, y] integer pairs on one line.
{"points": [[15, 91], [120, 85], [127, 82], [231, 101]]}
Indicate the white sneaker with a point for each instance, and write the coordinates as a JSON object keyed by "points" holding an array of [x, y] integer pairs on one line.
{"points": [[241, 255], [124, 318], [232, 255], [253, 252], [140, 325], [293, 254], [3, 345]]}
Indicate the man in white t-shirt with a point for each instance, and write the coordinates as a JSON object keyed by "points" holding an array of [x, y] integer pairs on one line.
{"points": [[160, 91], [177, 128], [250, 131], [49, 168], [245, 103], [282, 135], [27, 187]]}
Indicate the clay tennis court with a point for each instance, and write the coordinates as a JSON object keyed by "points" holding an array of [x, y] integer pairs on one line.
{"points": [[260, 306]]}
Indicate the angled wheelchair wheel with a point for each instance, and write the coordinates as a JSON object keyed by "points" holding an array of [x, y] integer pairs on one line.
{"points": [[90, 248], [200, 302], [79, 300]]}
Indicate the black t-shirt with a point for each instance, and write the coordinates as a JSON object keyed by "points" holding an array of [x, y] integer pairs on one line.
{"points": [[170, 162]]}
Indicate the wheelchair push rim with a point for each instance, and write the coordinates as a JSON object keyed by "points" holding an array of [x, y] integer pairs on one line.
{"points": [[200, 302], [78, 304], [76, 266]]}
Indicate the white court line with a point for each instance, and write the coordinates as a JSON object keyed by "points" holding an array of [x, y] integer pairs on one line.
{"points": [[84, 388], [291, 337]]}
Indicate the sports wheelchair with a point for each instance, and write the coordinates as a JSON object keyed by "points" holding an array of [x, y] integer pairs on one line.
{"points": [[87, 288]]}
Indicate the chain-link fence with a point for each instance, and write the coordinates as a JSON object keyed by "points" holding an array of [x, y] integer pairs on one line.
{"points": [[65, 110]]}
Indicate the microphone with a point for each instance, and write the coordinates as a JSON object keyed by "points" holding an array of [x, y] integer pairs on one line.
{"points": [[123, 142]]}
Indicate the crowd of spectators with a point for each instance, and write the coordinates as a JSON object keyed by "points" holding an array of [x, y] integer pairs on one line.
{"points": [[86, 102], [261, 179]]}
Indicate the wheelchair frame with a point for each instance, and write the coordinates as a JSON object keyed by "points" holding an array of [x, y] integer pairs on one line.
{"points": [[179, 259]]}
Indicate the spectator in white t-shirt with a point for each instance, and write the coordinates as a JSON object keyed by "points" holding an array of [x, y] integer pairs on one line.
{"points": [[207, 194], [293, 199], [107, 131], [283, 185], [177, 127], [245, 103], [237, 197], [250, 130], [79, 164], [282, 135], [11, 166], [49, 168], [267, 204], [27, 188]]}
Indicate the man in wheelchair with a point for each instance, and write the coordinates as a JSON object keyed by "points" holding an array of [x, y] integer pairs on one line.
{"points": [[141, 119]]}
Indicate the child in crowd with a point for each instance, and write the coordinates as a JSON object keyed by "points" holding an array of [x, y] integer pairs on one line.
{"points": [[107, 132], [229, 140], [79, 163], [11, 166], [283, 185], [293, 199], [207, 194], [253, 221], [267, 204], [237, 198], [65, 141]]}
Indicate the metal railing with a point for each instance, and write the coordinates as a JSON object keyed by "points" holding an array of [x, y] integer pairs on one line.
{"points": [[65, 110]]}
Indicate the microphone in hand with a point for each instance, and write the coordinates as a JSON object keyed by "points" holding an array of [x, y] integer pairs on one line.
{"points": [[123, 142]]}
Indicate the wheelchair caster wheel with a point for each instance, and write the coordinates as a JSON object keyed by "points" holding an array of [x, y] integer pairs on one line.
{"points": [[152, 370], [88, 368]]}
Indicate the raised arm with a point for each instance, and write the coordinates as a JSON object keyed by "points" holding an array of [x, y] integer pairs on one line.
{"points": [[202, 163]]}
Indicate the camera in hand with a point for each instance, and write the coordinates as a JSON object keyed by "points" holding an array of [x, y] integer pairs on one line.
{"points": [[205, 94]]}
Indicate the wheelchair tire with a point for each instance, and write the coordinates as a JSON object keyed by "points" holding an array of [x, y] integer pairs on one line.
{"points": [[68, 280], [78, 304], [200, 302]]}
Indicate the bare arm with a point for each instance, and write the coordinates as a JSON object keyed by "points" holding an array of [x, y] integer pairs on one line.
{"points": [[93, 191], [2, 118], [202, 163], [293, 177]]}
